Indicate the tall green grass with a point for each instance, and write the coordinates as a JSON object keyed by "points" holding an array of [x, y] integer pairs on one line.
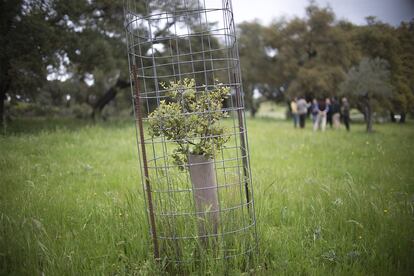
{"points": [[71, 202]]}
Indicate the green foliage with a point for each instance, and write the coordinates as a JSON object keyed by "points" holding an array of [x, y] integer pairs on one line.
{"points": [[369, 80], [191, 119], [322, 55], [404, 82], [33, 109], [311, 54], [254, 63], [28, 43], [80, 111], [380, 40], [85, 38], [314, 53], [368, 85]]}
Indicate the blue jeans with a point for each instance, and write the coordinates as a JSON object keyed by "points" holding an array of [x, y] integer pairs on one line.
{"points": [[295, 119]]}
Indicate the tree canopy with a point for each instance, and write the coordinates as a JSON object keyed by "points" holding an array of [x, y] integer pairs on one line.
{"points": [[81, 43], [311, 56], [369, 84]]}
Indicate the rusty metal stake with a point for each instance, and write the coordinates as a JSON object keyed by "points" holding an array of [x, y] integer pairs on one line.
{"points": [[138, 112], [242, 141]]}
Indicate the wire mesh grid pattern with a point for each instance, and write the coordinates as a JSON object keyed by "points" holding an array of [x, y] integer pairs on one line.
{"points": [[208, 205]]}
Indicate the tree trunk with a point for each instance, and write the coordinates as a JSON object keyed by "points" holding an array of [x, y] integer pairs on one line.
{"points": [[4, 87], [253, 111], [368, 116], [2, 99], [402, 119], [392, 117], [108, 97]]}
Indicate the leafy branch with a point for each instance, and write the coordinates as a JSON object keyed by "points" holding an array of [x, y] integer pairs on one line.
{"points": [[190, 119]]}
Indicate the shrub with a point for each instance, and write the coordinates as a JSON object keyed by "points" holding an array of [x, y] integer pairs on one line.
{"points": [[190, 119]]}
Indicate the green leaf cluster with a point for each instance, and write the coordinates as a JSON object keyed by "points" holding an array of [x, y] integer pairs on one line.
{"points": [[190, 118]]}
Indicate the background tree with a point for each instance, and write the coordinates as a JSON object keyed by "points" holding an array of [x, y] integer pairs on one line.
{"points": [[378, 39], [28, 43], [309, 56], [100, 49], [369, 85], [254, 62], [83, 42], [79, 39], [404, 100], [313, 54], [95, 48]]}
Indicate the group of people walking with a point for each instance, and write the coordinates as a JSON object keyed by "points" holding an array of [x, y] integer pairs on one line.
{"points": [[323, 112]]}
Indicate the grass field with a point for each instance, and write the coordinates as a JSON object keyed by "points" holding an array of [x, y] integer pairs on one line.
{"points": [[332, 203]]}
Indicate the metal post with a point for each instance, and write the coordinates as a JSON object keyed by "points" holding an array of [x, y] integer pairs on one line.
{"points": [[138, 112], [242, 141]]}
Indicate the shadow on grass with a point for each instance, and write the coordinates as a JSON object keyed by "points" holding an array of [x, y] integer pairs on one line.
{"points": [[24, 126]]}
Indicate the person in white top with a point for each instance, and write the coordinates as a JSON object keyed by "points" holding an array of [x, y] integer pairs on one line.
{"points": [[302, 111]]}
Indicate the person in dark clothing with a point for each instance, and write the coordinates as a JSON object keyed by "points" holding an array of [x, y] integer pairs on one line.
{"points": [[345, 112], [329, 113], [294, 111], [335, 110], [323, 109]]}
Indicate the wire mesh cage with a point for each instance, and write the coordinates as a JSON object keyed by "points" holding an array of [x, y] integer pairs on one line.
{"points": [[191, 129]]}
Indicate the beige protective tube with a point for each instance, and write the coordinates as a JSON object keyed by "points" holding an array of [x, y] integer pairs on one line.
{"points": [[203, 179]]}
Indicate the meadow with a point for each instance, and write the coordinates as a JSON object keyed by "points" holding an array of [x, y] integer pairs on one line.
{"points": [[332, 203]]}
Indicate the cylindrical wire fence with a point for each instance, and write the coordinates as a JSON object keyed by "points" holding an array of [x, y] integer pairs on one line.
{"points": [[205, 204]]}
